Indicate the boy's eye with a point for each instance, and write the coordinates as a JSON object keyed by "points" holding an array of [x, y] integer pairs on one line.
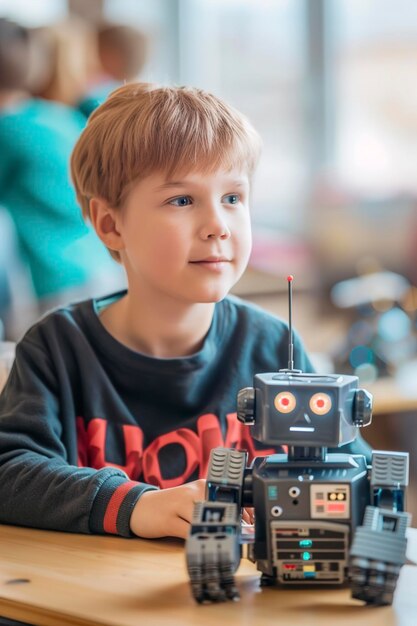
{"points": [[231, 198], [180, 201]]}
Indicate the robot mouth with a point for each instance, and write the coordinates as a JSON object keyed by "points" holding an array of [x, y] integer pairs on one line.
{"points": [[300, 425]]}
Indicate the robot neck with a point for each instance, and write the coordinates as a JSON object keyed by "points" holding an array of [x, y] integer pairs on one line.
{"points": [[306, 453]]}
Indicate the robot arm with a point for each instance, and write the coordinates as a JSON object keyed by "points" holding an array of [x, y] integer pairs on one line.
{"points": [[213, 545], [379, 546]]}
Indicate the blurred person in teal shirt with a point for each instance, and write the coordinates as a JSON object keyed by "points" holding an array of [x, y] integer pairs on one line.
{"points": [[65, 258]]}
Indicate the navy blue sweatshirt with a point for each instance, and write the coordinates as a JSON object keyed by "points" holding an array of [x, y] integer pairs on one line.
{"points": [[87, 424]]}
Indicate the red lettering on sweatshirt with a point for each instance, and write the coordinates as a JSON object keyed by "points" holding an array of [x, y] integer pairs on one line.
{"points": [[237, 436], [92, 444], [145, 464], [151, 468]]}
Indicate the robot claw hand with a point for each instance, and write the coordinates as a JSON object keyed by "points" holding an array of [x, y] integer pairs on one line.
{"points": [[377, 554], [213, 551]]}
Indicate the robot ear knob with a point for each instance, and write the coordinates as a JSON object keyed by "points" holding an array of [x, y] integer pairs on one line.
{"points": [[246, 405], [362, 408]]}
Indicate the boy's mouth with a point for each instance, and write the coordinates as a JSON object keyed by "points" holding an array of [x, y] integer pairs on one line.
{"points": [[216, 263], [212, 259]]}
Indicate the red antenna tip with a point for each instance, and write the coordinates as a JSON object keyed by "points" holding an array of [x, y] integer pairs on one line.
{"points": [[290, 278]]}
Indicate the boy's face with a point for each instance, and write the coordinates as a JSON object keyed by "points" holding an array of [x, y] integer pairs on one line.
{"points": [[188, 238]]}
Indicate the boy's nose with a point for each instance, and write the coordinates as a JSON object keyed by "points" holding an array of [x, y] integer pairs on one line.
{"points": [[224, 234], [215, 227]]}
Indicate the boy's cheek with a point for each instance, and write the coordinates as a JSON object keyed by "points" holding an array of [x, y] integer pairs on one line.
{"points": [[244, 238]]}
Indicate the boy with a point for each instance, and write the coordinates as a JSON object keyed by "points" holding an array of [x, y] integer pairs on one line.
{"points": [[111, 398]]}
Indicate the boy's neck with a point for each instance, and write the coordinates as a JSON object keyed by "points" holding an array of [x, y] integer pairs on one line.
{"points": [[168, 330]]}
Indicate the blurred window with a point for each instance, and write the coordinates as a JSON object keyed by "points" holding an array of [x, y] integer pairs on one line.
{"points": [[373, 70], [34, 13]]}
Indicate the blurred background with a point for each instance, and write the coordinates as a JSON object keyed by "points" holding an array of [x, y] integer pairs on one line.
{"points": [[331, 87]]}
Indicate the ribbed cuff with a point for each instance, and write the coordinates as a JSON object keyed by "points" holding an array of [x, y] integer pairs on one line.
{"points": [[113, 505]]}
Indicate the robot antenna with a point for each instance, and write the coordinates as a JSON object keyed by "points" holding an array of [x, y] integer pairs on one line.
{"points": [[290, 333]]}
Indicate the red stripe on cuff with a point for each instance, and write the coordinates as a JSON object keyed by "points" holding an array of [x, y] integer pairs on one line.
{"points": [[110, 517]]}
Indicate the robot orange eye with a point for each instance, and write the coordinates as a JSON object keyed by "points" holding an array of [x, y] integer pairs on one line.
{"points": [[285, 402], [320, 403]]}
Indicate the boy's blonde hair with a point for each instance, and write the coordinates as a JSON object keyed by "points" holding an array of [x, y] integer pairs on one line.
{"points": [[143, 128]]}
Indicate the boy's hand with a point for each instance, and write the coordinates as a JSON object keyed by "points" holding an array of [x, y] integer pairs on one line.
{"points": [[248, 516], [168, 512]]}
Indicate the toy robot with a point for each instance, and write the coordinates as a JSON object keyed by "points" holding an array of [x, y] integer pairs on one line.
{"points": [[320, 518]]}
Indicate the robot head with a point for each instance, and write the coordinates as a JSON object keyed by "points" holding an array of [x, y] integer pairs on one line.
{"points": [[290, 407]]}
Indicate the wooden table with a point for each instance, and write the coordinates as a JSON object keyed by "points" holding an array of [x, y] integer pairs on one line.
{"points": [[60, 579]]}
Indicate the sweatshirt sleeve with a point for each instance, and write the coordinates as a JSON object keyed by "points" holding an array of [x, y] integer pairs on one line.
{"points": [[38, 486]]}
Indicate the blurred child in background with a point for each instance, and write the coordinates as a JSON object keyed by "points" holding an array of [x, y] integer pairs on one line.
{"points": [[66, 60], [122, 53], [64, 256]]}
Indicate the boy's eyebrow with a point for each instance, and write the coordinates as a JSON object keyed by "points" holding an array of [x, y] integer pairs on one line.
{"points": [[170, 183], [179, 183]]}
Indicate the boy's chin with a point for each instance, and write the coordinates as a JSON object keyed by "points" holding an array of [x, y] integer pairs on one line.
{"points": [[212, 296], [211, 292]]}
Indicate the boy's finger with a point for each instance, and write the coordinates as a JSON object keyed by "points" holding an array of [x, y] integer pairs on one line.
{"points": [[249, 515], [179, 528]]}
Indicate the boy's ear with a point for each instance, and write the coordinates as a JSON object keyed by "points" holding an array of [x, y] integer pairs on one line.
{"points": [[104, 221]]}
